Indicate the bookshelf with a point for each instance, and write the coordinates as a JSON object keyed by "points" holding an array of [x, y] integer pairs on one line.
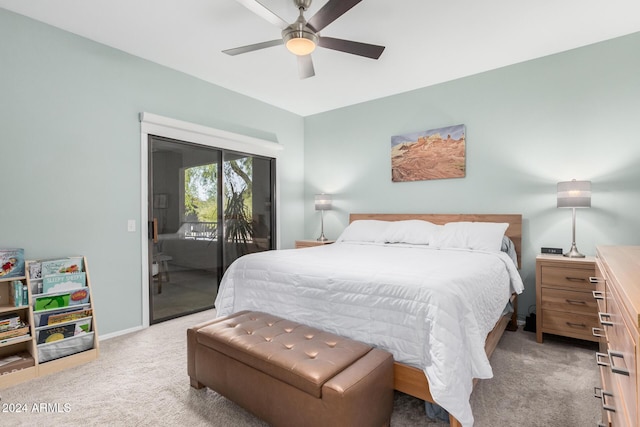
{"points": [[59, 311], [21, 346]]}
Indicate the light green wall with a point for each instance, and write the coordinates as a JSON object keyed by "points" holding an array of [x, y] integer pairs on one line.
{"points": [[70, 162], [528, 126], [70, 141]]}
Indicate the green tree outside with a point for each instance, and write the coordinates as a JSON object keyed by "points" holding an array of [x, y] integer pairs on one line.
{"points": [[201, 188]]}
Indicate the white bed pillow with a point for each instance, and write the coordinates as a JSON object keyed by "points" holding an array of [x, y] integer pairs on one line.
{"points": [[479, 236], [364, 230], [412, 231]]}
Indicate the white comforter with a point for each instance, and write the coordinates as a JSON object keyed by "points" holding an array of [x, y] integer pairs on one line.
{"points": [[430, 308]]}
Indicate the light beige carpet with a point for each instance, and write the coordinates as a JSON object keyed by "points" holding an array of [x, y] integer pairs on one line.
{"points": [[141, 380]]}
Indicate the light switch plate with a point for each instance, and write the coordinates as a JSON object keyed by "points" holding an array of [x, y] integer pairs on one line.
{"points": [[131, 225]]}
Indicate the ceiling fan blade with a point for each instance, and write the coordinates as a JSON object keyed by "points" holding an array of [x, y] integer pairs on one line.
{"points": [[331, 11], [356, 48], [252, 47], [305, 67], [261, 10]]}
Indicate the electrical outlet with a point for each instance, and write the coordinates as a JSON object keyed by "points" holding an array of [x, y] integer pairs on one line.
{"points": [[131, 225]]}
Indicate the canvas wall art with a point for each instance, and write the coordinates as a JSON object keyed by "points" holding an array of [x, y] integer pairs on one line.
{"points": [[431, 154]]}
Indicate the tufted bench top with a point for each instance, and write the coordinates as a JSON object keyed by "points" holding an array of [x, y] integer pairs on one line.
{"points": [[301, 356]]}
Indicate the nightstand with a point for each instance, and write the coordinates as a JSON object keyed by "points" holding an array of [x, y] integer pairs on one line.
{"points": [[311, 243], [564, 300]]}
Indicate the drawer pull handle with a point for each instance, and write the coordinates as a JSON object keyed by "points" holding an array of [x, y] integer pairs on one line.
{"points": [[600, 394], [599, 295], [595, 280], [604, 401], [615, 369], [575, 279], [576, 325], [603, 322], [599, 356], [598, 332], [575, 301], [597, 392]]}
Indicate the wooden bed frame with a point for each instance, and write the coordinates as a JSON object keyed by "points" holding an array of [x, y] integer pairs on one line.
{"points": [[413, 381]]}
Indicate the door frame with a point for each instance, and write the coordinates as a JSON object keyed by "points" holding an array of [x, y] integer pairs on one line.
{"points": [[153, 124]]}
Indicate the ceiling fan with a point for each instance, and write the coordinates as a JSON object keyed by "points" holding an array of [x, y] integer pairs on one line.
{"points": [[302, 36]]}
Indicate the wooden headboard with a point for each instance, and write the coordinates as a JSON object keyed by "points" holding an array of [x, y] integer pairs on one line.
{"points": [[514, 231]]}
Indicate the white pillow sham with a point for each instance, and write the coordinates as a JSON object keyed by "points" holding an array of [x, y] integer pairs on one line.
{"points": [[364, 230], [480, 236], [412, 231]]}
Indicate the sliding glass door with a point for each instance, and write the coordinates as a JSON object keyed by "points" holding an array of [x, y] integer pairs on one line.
{"points": [[207, 206]]}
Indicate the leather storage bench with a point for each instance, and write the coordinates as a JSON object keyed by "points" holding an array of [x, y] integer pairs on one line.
{"points": [[290, 374]]}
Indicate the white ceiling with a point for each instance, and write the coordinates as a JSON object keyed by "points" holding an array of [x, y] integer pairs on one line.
{"points": [[427, 42]]}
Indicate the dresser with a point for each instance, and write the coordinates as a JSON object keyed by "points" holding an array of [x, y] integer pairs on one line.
{"points": [[564, 300], [617, 293]]}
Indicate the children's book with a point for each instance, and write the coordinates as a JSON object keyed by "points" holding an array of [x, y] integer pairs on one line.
{"points": [[35, 270], [15, 362], [61, 300], [83, 325], [60, 266], [51, 302], [56, 333], [11, 263], [52, 319], [10, 321], [42, 318], [18, 296], [63, 282], [15, 332]]}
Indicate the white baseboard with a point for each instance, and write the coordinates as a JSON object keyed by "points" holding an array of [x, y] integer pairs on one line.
{"points": [[119, 333]]}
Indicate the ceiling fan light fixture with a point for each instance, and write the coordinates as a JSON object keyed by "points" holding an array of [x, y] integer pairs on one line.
{"points": [[300, 43], [302, 37]]}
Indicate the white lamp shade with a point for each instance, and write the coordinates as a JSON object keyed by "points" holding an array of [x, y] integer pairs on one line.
{"points": [[574, 194], [323, 202]]}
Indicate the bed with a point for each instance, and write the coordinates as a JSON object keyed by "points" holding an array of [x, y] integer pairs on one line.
{"points": [[440, 319]]}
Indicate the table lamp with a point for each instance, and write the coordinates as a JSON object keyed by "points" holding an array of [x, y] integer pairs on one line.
{"points": [[323, 203], [574, 194]]}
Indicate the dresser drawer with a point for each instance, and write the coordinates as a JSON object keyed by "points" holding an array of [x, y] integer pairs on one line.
{"points": [[600, 288], [622, 360], [620, 268], [571, 301], [565, 303], [610, 398], [618, 417], [567, 277], [570, 324]]}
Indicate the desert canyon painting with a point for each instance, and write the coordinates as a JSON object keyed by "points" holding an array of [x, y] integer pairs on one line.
{"points": [[432, 154]]}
